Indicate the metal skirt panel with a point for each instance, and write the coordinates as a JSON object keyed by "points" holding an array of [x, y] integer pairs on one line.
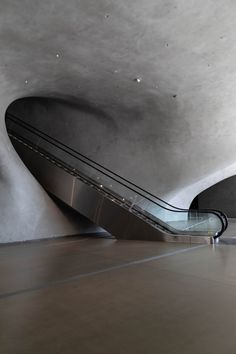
{"points": [[96, 206]]}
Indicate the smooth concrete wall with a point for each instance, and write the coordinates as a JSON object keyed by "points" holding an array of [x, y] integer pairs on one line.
{"points": [[159, 75], [27, 212]]}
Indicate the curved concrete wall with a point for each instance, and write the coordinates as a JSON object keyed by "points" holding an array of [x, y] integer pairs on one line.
{"points": [[159, 76], [220, 196]]}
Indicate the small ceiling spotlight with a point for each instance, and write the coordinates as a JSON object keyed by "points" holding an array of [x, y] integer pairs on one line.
{"points": [[138, 79]]}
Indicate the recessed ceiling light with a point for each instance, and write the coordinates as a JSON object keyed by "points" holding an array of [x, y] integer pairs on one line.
{"points": [[138, 79]]}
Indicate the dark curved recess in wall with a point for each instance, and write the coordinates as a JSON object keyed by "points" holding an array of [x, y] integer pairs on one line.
{"points": [[221, 195], [60, 110]]}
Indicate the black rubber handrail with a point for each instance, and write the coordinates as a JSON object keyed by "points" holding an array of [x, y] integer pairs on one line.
{"points": [[42, 135], [147, 215], [19, 121], [55, 142]]}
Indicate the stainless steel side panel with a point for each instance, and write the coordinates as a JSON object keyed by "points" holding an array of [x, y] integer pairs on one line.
{"points": [[93, 204]]}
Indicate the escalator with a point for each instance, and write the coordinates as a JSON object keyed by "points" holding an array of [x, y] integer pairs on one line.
{"points": [[109, 200]]}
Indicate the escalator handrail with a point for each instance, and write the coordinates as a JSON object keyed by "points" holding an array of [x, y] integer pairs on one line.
{"points": [[19, 121], [42, 135], [147, 214]]}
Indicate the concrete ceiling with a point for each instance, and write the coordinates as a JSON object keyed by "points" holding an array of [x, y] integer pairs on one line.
{"points": [[163, 71]]}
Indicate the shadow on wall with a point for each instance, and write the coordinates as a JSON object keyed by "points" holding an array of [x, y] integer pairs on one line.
{"points": [[68, 121], [133, 140], [220, 196]]}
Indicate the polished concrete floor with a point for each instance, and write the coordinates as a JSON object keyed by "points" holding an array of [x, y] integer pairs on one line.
{"points": [[229, 236], [90, 296]]}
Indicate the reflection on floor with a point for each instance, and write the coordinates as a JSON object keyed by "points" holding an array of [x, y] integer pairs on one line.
{"points": [[229, 236], [90, 296]]}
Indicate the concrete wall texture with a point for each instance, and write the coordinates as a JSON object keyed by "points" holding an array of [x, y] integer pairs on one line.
{"points": [[150, 83]]}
